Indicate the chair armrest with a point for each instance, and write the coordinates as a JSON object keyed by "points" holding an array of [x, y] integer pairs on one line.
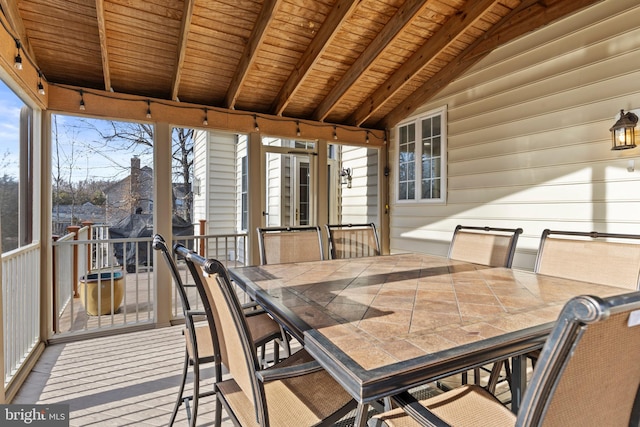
{"points": [[252, 308], [192, 313], [417, 411], [272, 374]]}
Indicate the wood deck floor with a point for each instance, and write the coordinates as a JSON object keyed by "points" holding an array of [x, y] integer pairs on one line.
{"points": [[122, 380]]}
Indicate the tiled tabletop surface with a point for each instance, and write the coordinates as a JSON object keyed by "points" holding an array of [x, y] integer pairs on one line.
{"points": [[382, 310]]}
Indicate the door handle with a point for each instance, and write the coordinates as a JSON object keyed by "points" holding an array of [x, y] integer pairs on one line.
{"points": [[265, 213]]}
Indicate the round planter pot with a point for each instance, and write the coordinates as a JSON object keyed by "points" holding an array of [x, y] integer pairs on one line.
{"points": [[96, 287]]}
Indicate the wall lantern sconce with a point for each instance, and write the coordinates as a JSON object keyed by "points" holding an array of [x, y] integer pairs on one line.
{"points": [[623, 131], [345, 177]]}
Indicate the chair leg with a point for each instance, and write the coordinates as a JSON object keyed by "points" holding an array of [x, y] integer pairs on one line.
{"points": [[196, 391], [185, 370], [218, 414]]}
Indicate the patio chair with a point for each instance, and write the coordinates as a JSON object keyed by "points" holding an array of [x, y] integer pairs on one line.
{"points": [[352, 240], [294, 392], [199, 348], [489, 246], [280, 245], [598, 336], [604, 258], [197, 339]]}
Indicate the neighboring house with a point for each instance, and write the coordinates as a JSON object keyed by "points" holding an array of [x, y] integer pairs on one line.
{"points": [[66, 215], [132, 194]]}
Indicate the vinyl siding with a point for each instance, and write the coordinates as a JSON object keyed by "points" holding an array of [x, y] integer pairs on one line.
{"points": [[528, 137], [359, 204]]}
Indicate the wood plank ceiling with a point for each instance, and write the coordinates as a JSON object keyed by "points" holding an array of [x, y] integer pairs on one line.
{"points": [[366, 63]]}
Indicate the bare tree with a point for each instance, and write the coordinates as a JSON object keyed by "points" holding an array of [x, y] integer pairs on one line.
{"points": [[126, 136]]}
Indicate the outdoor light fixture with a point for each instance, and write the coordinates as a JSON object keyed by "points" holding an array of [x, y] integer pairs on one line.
{"points": [[297, 128], [335, 133], [367, 138], [81, 101], [40, 85], [623, 131], [255, 123], [205, 122], [345, 176], [148, 109], [17, 62]]}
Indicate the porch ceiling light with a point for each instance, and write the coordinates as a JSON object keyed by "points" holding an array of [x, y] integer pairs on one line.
{"points": [[40, 85], [623, 131], [17, 62]]}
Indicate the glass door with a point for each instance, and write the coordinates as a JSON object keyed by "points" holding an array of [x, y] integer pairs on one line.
{"points": [[290, 195]]}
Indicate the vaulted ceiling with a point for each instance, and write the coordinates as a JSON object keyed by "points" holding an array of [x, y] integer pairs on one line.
{"points": [[362, 63]]}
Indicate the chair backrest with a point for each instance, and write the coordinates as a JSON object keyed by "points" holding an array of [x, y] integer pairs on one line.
{"points": [[226, 317], [159, 244], [605, 258], [588, 372], [353, 240], [280, 245], [490, 246]]}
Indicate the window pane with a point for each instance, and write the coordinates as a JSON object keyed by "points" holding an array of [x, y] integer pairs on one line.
{"points": [[402, 172], [435, 167], [436, 189], [436, 125], [411, 190], [411, 171], [426, 189], [426, 128], [426, 169], [402, 191], [435, 144]]}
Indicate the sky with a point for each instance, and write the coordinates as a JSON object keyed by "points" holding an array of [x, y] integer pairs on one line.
{"points": [[10, 106], [83, 154]]}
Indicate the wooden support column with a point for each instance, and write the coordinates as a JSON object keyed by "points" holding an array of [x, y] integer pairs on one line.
{"points": [[162, 214], [256, 195]]}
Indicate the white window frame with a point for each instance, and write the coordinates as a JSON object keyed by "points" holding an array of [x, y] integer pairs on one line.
{"points": [[417, 121]]}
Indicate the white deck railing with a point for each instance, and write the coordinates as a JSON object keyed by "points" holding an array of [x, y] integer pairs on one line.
{"points": [[20, 306], [132, 256]]}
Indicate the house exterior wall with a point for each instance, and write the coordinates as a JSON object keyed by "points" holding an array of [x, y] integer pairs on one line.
{"points": [[221, 183], [528, 137], [359, 204], [200, 150]]}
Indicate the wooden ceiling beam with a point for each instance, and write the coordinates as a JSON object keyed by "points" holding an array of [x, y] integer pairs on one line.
{"points": [[337, 16], [250, 51], [450, 31], [185, 26], [104, 52], [404, 15], [527, 17], [118, 106]]}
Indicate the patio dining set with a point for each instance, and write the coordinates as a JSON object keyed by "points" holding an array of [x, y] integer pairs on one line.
{"points": [[370, 329]]}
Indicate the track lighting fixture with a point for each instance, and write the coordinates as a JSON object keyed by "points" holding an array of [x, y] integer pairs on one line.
{"points": [[205, 122], [82, 107], [18, 59], [148, 109]]}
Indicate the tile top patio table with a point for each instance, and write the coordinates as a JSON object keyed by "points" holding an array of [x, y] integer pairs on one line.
{"points": [[383, 324]]}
